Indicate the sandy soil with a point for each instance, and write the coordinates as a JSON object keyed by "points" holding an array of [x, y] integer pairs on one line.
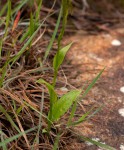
{"points": [[90, 54]]}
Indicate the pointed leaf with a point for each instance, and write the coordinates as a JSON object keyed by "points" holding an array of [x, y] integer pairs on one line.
{"points": [[63, 104], [52, 93], [59, 57]]}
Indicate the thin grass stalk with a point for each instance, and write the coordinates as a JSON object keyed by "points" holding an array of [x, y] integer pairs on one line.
{"points": [[65, 10]]}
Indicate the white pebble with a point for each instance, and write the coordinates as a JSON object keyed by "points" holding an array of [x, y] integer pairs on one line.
{"points": [[121, 147], [64, 89], [116, 43], [122, 89], [121, 112]]}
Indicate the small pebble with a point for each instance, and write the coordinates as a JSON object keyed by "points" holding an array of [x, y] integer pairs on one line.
{"points": [[121, 147], [119, 99], [116, 43], [121, 112], [64, 89], [122, 89]]}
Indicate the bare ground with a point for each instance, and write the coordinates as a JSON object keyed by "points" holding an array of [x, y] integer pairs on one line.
{"points": [[90, 54]]}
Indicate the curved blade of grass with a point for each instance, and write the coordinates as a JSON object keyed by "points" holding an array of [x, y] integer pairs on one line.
{"points": [[106, 147], [59, 57], [63, 104], [97, 143], [72, 113], [25, 35], [81, 119], [52, 93], [96, 111], [92, 83], [5, 142]]}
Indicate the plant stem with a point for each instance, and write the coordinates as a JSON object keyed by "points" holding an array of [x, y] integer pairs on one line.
{"points": [[54, 78]]}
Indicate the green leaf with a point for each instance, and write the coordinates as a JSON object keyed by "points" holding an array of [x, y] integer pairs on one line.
{"points": [[59, 57], [52, 93], [63, 104]]}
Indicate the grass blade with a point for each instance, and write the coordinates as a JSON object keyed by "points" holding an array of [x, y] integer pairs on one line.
{"points": [[37, 16], [56, 144], [97, 143], [16, 136], [81, 119], [53, 35], [92, 83], [72, 113]]}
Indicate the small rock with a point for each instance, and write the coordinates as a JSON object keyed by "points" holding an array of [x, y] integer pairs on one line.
{"points": [[64, 89], [121, 147], [116, 43], [122, 89], [119, 99], [121, 112]]}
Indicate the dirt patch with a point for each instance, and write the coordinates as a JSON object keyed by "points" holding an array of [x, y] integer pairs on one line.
{"points": [[90, 54]]}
